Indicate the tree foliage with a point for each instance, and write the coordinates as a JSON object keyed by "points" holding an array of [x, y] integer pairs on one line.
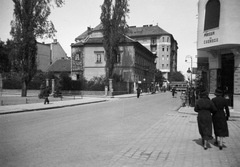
{"points": [[159, 77], [113, 19], [5, 52], [176, 76], [30, 22]]}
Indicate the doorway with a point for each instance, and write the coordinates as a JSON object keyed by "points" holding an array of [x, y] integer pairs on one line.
{"points": [[227, 76]]}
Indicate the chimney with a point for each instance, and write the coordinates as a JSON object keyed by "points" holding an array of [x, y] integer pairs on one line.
{"points": [[55, 41], [89, 30]]}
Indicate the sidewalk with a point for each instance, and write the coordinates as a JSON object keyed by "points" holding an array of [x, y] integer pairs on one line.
{"points": [[10, 109], [174, 141]]}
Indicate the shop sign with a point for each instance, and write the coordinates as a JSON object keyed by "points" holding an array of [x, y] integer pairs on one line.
{"points": [[209, 37]]}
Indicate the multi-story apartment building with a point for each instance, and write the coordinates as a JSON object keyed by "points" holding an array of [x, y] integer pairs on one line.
{"points": [[48, 54], [134, 64], [160, 43], [218, 47]]}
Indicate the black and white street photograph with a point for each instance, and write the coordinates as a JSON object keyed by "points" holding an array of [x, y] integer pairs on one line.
{"points": [[119, 83]]}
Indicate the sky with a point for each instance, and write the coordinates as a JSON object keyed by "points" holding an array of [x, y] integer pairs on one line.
{"points": [[178, 17]]}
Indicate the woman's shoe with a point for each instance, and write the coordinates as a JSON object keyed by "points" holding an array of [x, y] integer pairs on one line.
{"points": [[205, 144]]}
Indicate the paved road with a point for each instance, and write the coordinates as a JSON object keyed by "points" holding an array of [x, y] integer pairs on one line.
{"points": [[120, 133], [87, 135]]}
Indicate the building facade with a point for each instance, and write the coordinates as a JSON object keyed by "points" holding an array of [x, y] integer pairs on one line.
{"points": [[160, 43], [48, 54], [134, 63], [218, 47]]}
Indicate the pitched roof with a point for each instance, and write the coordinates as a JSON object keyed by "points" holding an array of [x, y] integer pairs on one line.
{"points": [[147, 30], [61, 65], [133, 31], [89, 30]]}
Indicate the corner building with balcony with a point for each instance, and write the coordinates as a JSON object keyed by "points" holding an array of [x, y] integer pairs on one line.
{"points": [[218, 47], [160, 43]]}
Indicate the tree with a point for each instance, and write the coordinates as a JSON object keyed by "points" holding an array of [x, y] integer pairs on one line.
{"points": [[113, 19], [176, 76], [30, 22], [5, 64]]}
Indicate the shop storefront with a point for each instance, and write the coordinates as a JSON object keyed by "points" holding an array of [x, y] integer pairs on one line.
{"points": [[219, 47]]}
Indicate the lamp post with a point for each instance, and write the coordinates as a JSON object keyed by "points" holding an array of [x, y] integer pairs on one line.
{"points": [[189, 70], [192, 93]]}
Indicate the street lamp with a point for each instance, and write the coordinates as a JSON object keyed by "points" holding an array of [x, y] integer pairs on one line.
{"points": [[189, 70]]}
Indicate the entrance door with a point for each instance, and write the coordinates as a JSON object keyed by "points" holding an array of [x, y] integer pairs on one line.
{"points": [[227, 75]]}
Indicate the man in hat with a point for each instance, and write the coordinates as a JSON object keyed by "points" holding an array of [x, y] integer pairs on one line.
{"points": [[220, 118]]}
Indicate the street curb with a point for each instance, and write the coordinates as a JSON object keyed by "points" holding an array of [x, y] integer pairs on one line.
{"points": [[231, 116], [48, 108]]}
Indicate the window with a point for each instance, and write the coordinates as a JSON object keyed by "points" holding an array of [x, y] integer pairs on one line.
{"points": [[167, 65], [212, 14], [163, 48], [167, 57], [98, 58], [167, 39], [162, 57], [153, 41], [98, 55], [153, 48], [162, 65], [167, 48], [118, 58]]}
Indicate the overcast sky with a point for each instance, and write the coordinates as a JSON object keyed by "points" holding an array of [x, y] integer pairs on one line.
{"points": [[178, 17]]}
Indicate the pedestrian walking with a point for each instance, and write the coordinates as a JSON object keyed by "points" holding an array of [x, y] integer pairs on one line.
{"points": [[46, 93], [173, 91], [220, 118], [138, 92], [205, 107]]}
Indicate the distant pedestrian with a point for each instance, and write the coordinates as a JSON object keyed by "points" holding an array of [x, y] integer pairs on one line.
{"points": [[46, 93], [173, 91], [138, 92], [220, 118], [205, 107]]}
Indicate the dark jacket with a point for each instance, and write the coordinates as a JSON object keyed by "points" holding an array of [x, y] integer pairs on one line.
{"points": [[205, 107], [220, 117]]}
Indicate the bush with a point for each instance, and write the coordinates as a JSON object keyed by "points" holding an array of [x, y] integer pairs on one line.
{"points": [[96, 84], [11, 81]]}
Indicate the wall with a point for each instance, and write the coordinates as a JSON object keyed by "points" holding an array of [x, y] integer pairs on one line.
{"points": [[229, 24], [57, 52], [43, 57]]}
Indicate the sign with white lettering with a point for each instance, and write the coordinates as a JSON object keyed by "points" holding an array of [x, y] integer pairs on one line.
{"points": [[210, 37]]}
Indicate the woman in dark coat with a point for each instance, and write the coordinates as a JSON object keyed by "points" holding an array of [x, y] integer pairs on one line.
{"points": [[205, 107], [220, 118]]}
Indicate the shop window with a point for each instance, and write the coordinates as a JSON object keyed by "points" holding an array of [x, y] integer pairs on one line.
{"points": [[212, 14]]}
